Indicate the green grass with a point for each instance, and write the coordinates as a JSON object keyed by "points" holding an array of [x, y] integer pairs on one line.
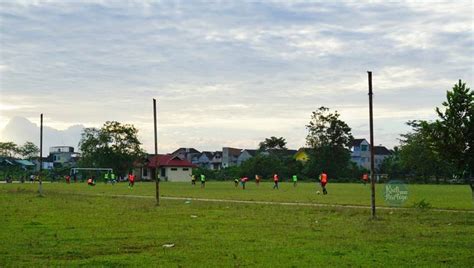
{"points": [[438, 196], [67, 229]]}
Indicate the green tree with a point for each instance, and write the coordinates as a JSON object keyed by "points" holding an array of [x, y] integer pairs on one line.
{"points": [[273, 143], [330, 138], [392, 165], [113, 146], [326, 129], [453, 133], [264, 165], [8, 149], [29, 150], [418, 157]]}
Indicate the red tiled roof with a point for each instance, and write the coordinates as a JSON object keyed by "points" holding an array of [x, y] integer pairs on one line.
{"points": [[168, 160]]}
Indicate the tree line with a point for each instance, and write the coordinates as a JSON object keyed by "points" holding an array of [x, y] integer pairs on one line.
{"points": [[434, 151]]}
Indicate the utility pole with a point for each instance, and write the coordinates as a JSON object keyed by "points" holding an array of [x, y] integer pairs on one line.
{"points": [[372, 169], [157, 180], [40, 190]]}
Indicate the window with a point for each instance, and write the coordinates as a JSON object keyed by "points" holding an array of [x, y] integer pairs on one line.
{"points": [[363, 148], [185, 169], [145, 172], [174, 169]]}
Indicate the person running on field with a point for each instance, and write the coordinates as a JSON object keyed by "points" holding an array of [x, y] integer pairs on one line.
{"points": [[365, 178], [193, 179], [275, 181], [295, 180], [324, 180], [257, 179], [68, 179], [243, 181], [203, 180], [131, 180], [236, 182]]}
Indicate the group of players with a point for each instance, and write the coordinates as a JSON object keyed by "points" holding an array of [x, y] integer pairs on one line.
{"points": [[109, 177], [323, 180]]}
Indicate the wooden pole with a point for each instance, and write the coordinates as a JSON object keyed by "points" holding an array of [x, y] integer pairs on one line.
{"points": [[40, 190], [372, 169], [157, 180]]}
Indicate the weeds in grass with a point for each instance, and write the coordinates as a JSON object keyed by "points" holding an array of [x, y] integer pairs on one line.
{"points": [[422, 205]]}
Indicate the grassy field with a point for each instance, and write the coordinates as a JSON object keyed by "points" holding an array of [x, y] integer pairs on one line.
{"points": [[85, 226]]}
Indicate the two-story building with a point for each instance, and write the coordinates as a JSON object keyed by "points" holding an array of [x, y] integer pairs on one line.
{"points": [[230, 156], [63, 155], [187, 153], [360, 154], [246, 154]]}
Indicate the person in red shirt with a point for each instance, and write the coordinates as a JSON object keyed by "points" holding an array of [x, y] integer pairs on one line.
{"points": [[365, 178], [243, 181], [131, 180], [323, 178], [91, 181], [275, 181], [68, 179]]}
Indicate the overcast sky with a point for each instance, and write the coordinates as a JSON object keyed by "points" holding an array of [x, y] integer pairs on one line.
{"points": [[230, 74]]}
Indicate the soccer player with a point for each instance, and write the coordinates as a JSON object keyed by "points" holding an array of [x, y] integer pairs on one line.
{"points": [[131, 180], [68, 179], [106, 177], [275, 181], [257, 179], [324, 180], [193, 179], [236, 182], [295, 180], [203, 180], [91, 181], [243, 181], [112, 178], [365, 178]]}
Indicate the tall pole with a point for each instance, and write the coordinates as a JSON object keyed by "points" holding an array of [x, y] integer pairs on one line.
{"points": [[157, 180], [372, 169], [40, 190]]}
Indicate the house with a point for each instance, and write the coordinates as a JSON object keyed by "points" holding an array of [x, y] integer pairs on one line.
{"points": [[25, 164], [216, 161], [380, 153], [245, 155], [302, 155], [360, 153], [186, 153], [204, 160], [230, 156], [170, 168], [63, 156], [12, 163]]}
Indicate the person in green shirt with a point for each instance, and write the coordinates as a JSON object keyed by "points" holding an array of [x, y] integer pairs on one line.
{"points": [[106, 177], [112, 178], [295, 180], [203, 180]]}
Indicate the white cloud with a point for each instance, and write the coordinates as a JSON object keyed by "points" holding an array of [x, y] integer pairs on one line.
{"points": [[227, 73]]}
